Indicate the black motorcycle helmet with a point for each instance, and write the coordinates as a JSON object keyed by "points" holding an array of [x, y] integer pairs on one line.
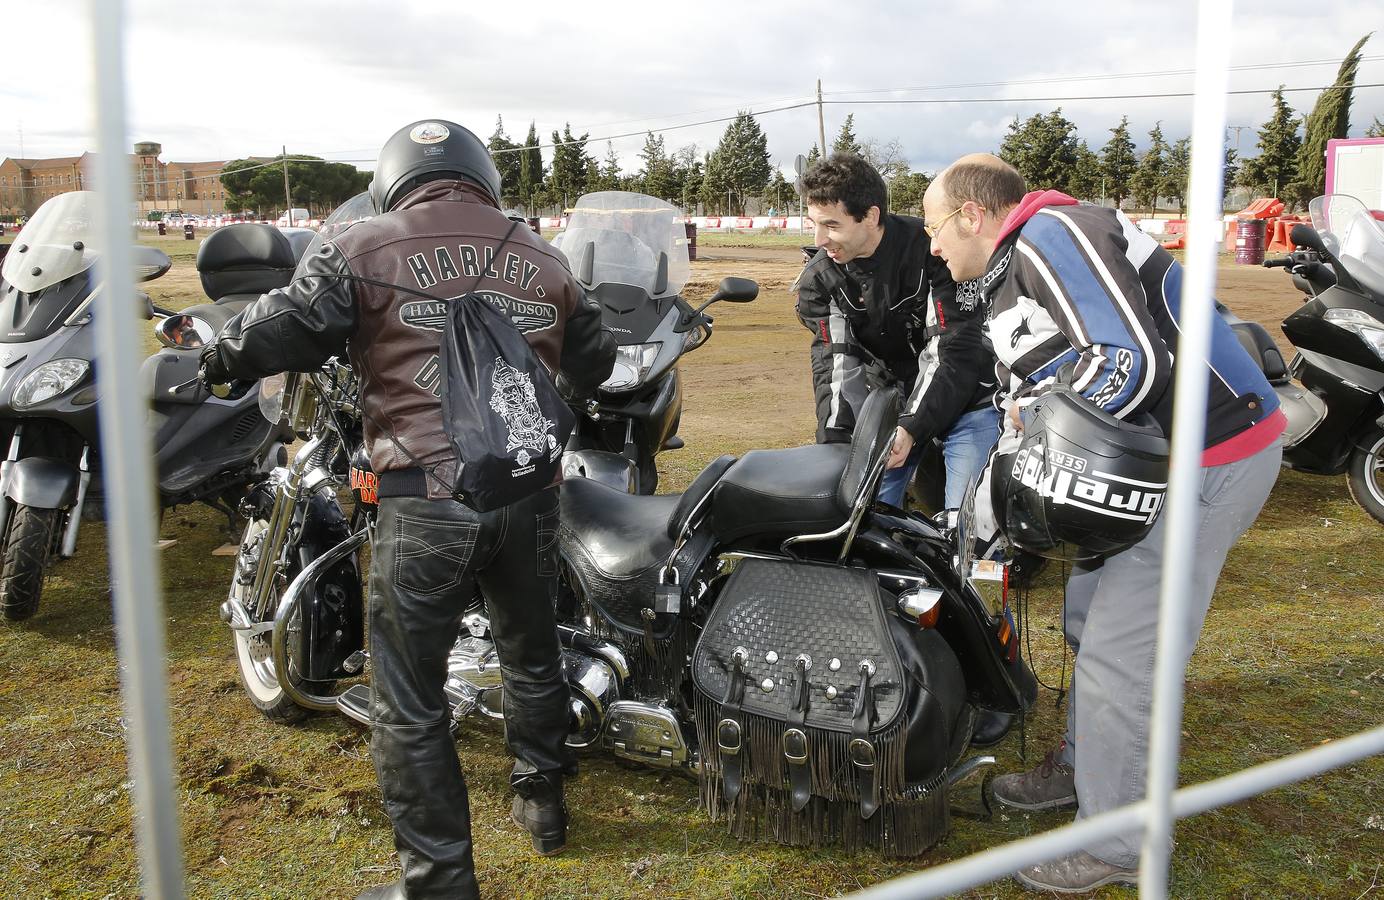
{"points": [[426, 151], [1083, 483]]}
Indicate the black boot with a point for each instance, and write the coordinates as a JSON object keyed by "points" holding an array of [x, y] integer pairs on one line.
{"points": [[539, 809]]}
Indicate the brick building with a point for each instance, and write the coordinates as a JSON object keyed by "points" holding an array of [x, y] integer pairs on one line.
{"points": [[193, 187]]}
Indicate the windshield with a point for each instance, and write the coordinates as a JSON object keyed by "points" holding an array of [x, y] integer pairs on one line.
{"points": [[357, 209], [626, 233], [1354, 235], [58, 242]]}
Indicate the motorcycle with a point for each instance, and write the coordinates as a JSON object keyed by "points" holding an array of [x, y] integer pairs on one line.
{"points": [[207, 448], [629, 252], [1332, 392]]}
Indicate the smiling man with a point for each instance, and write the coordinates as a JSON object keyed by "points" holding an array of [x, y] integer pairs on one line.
{"points": [[883, 310]]}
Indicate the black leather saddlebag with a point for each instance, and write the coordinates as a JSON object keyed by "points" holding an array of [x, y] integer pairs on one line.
{"points": [[821, 718]]}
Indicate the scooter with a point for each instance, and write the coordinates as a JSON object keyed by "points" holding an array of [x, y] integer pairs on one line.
{"points": [[629, 252], [207, 448], [1333, 390]]}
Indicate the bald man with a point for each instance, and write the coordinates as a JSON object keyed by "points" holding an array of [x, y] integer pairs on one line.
{"points": [[1075, 292]]}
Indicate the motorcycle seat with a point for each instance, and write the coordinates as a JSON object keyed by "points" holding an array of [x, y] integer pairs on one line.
{"points": [[623, 535], [245, 259], [798, 491]]}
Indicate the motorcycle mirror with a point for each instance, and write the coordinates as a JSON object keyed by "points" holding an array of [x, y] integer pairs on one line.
{"points": [[733, 290], [586, 262], [1304, 235], [182, 332], [661, 279], [150, 263]]}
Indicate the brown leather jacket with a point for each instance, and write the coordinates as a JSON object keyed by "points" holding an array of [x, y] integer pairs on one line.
{"points": [[436, 240]]}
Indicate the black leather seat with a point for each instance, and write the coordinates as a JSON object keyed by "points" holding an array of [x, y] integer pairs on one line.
{"points": [[777, 494], [623, 535], [245, 259]]}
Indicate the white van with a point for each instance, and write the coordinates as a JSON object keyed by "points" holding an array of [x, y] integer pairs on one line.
{"points": [[294, 218]]}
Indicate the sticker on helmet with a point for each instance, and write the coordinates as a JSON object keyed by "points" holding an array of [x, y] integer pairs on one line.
{"points": [[429, 133]]}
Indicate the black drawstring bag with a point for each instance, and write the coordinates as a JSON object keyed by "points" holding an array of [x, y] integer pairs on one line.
{"points": [[500, 409]]}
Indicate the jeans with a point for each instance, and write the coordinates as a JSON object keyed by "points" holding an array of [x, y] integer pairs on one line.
{"points": [[965, 448]]}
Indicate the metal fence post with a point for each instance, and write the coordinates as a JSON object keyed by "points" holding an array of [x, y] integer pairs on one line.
{"points": [[1189, 431], [128, 476]]}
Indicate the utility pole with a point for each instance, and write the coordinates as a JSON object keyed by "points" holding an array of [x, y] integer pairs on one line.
{"points": [[821, 122], [288, 201]]}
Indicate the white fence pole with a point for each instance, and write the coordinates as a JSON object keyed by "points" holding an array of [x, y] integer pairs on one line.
{"points": [[129, 481], [1214, 34]]}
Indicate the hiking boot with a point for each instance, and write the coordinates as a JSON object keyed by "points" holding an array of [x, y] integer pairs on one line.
{"points": [[1051, 785], [539, 809], [1075, 874]]}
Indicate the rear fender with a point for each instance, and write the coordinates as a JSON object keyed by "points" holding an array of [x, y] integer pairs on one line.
{"points": [[610, 469]]}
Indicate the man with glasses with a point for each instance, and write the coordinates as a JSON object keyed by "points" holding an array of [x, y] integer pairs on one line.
{"points": [[883, 310], [1074, 294]]}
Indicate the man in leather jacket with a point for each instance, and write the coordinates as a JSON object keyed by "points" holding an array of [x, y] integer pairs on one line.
{"points": [[440, 233], [883, 310]]}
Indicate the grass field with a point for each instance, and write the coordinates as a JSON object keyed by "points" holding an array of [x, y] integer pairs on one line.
{"points": [[1292, 655]]}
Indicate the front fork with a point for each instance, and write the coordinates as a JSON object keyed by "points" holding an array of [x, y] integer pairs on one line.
{"points": [[302, 478]]}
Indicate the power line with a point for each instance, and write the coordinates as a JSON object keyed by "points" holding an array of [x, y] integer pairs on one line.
{"points": [[1159, 96], [1059, 79]]}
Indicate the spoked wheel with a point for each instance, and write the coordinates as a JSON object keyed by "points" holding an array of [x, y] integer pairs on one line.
{"points": [[27, 551], [1365, 473], [254, 648]]}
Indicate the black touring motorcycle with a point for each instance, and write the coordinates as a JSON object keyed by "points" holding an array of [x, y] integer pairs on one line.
{"points": [[819, 662], [207, 449], [1333, 391]]}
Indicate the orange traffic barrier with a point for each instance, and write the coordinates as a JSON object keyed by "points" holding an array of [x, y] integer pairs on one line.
{"points": [[1177, 243]]}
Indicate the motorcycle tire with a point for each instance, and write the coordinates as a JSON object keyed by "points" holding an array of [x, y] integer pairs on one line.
{"points": [[1365, 473], [26, 561], [254, 658]]}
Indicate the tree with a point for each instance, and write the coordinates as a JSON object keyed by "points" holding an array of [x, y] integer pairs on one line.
{"points": [[845, 140], [1330, 118], [571, 166], [1376, 129], [1118, 162], [685, 175], [1043, 149], [530, 168], [1177, 173], [739, 166], [1148, 177], [506, 155], [888, 159], [777, 194], [1278, 144], [906, 193], [656, 175], [315, 183], [814, 154], [608, 178], [1230, 172], [1084, 183]]}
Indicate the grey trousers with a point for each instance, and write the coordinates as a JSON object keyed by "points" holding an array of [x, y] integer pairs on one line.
{"points": [[1111, 623]]}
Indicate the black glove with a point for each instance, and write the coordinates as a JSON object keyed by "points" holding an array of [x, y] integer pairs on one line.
{"points": [[213, 371], [569, 392]]}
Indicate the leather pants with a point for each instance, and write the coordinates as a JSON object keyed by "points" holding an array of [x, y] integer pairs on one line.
{"points": [[429, 556]]}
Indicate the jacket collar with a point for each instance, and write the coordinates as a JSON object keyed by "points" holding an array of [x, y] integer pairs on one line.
{"points": [[444, 189], [1033, 202]]}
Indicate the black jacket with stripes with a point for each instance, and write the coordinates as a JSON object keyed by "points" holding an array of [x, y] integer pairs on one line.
{"points": [[894, 317]]}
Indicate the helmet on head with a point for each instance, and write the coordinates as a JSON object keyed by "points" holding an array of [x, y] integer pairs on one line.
{"points": [[1082, 483], [426, 151]]}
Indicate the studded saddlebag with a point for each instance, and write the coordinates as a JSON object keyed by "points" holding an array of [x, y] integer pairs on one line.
{"points": [[820, 718]]}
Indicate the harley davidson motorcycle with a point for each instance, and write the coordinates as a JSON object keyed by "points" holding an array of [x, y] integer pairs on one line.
{"points": [[207, 448], [1333, 390], [816, 661], [629, 252]]}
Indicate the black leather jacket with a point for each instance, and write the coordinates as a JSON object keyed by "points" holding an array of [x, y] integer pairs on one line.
{"points": [[894, 317], [444, 240]]}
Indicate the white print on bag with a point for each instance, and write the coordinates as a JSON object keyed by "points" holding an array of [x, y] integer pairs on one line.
{"points": [[1065, 479], [515, 401]]}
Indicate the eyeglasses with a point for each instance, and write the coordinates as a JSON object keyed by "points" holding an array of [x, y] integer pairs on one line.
{"points": [[931, 230]]}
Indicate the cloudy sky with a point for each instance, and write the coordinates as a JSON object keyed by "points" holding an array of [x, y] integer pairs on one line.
{"points": [[223, 79]]}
